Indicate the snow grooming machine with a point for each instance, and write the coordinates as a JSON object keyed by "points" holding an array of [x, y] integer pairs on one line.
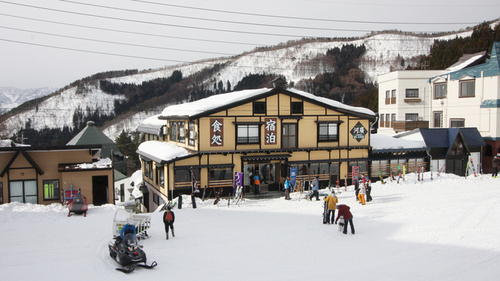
{"points": [[125, 250]]}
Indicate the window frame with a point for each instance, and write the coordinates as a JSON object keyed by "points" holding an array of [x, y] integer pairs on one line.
{"points": [[297, 107], [440, 123], [436, 91], [285, 138], [412, 115], [457, 120], [411, 93], [328, 137], [467, 82], [56, 191], [249, 138], [259, 107]]}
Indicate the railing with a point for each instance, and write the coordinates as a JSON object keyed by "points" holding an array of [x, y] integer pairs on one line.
{"points": [[385, 169], [402, 126]]}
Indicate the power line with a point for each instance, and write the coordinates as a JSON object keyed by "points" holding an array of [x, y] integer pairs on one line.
{"points": [[132, 32], [92, 52], [119, 43], [214, 20], [302, 18]]}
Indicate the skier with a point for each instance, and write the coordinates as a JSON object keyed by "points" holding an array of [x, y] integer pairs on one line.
{"points": [[356, 187], [494, 165], [288, 186], [344, 211], [315, 189], [168, 220], [332, 201], [369, 191], [361, 195]]}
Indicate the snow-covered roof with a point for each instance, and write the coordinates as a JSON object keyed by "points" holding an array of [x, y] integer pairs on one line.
{"points": [[380, 142], [161, 151], [466, 60], [10, 143], [223, 100], [151, 125]]}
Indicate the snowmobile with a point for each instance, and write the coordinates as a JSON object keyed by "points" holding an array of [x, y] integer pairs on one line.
{"points": [[78, 205], [125, 251]]}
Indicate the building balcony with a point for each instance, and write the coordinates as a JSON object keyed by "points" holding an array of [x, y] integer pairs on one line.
{"points": [[402, 126]]}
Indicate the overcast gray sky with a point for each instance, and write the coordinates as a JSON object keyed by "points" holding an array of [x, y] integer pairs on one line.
{"points": [[51, 43]]}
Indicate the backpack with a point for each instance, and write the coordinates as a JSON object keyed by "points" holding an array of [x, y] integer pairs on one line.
{"points": [[168, 216]]}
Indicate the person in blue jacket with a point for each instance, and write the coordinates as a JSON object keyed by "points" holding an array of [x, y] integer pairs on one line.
{"points": [[288, 186], [315, 189]]}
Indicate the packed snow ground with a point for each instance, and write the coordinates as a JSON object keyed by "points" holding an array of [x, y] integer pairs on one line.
{"points": [[444, 229]]}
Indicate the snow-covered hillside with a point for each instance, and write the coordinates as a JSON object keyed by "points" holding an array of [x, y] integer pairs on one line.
{"points": [[445, 229], [58, 110], [12, 97], [384, 52]]}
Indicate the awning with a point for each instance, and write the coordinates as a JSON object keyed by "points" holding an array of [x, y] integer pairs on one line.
{"points": [[266, 157]]}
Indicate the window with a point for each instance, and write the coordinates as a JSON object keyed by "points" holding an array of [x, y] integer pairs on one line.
{"points": [[467, 88], [1, 192], [297, 107], [259, 107], [220, 174], [412, 93], [192, 133], [50, 189], [440, 91], [173, 131], [23, 191], [148, 169], [328, 132], [438, 119], [382, 124], [387, 94], [411, 117], [160, 179], [457, 123], [388, 120], [393, 97], [247, 134], [181, 131], [289, 136], [122, 192], [393, 117]]}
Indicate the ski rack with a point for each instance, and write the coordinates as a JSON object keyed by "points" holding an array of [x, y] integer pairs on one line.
{"points": [[142, 223]]}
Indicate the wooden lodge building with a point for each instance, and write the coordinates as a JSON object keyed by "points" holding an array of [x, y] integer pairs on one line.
{"points": [[263, 131]]}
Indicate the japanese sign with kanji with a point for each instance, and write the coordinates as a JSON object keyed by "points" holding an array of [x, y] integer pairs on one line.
{"points": [[216, 132], [270, 130], [358, 132]]}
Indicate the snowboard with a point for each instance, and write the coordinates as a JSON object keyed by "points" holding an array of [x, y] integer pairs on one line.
{"points": [[217, 196], [325, 212], [341, 223]]}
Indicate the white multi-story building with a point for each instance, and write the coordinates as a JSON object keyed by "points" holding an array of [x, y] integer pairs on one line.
{"points": [[465, 95]]}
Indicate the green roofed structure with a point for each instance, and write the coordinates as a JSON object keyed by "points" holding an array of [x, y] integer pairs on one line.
{"points": [[91, 135]]}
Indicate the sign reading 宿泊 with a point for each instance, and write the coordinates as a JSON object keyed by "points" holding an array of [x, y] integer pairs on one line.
{"points": [[216, 132], [359, 132], [270, 130]]}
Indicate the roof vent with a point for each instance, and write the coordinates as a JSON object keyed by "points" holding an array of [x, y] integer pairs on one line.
{"points": [[279, 82]]}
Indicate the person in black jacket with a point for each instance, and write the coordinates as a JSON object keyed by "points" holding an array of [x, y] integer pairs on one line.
{"points": [[168, 220]]}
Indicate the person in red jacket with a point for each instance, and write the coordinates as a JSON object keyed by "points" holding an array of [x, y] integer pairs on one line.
{"points": [[344, 211]]}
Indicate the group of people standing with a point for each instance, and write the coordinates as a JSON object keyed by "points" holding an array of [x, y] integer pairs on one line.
{"points": [[362, 187], [343, 211]]}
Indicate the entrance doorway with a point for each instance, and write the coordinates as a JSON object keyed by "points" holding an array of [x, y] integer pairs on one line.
{"points": [[268, 176], [99, 190]]}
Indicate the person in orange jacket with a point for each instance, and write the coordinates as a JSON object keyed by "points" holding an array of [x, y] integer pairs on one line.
{"points": [[344, 210], [332, 201]]}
